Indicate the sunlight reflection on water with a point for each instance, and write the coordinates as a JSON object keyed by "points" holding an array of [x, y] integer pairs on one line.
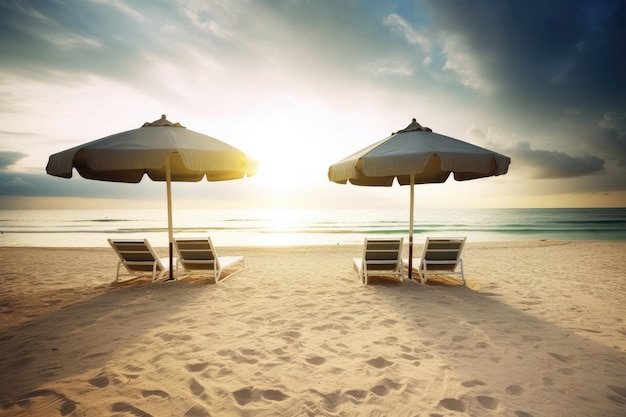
{"points": [[91, 228]]}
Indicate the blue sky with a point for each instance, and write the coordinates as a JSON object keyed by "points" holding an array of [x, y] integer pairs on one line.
{"points": [[298, 85]]}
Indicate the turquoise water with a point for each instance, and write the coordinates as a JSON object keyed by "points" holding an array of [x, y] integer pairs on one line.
{"points": [[91, 228]]}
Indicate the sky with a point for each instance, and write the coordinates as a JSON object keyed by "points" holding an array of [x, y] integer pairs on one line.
{"points": [[300, 84]]}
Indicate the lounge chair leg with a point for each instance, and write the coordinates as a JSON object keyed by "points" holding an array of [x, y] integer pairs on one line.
{"points": [[117, 275], [462, 273]]}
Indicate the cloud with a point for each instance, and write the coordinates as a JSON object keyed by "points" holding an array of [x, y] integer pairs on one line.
{"points": [[540, 55], [462, 61], [613, 132], [15, 182], [544, 164], [8, 158], [398, 25], [211, 17]]}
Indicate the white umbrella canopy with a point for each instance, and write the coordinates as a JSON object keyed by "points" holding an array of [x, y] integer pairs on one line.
{"points": [[416, 155], [127, 156], [163, 150]]}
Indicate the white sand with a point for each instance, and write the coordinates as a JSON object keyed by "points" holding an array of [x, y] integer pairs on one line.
{"points": [[539, 331]]}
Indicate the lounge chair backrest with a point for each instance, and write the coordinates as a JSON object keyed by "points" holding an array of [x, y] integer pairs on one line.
{"points": [[137, 256], [383, 255], [439, 250], [197, 254]]}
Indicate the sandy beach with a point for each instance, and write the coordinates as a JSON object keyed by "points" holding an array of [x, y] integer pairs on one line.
{"points": [[538, 331]]}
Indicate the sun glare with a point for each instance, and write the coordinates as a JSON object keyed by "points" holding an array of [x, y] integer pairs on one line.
{"points": [[279, 226]]}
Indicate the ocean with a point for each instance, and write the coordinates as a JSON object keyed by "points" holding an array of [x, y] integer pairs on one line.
{"points": [[91, 228]]}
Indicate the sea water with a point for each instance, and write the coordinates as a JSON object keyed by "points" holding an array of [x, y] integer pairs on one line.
{"points": [[91, 228]]}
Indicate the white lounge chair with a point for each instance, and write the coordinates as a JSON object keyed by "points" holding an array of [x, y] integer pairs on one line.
{"points": [[139, 258], [196, 255], [441, 256], [381, 257]]}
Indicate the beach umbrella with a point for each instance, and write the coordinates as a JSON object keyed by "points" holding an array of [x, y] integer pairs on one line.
{"points": [[417, 155], [163, 150]]}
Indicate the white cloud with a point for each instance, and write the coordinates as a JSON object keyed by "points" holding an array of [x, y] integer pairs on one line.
{"points": [[123, 7], [390, 67], [211, 16], [463, 64], [65, 41], [398, 25], [169, 28]]}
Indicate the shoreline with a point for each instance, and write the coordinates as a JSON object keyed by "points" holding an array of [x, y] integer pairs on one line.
{"points": [[539, 330]]}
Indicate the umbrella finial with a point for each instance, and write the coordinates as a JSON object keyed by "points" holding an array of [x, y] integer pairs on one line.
{"points": [[414, 126], [162, 122]]}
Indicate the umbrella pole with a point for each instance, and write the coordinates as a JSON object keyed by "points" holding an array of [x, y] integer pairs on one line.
{"points": [[412, 179], [170, 230]]}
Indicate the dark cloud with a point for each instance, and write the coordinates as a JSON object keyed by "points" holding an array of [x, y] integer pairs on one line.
{"points": [[8, 158], [34, 184], [13, 184], [613, 134], [543, 164], [544, 54]]}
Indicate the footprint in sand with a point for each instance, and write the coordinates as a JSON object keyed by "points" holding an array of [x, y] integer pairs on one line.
{"points": [[453, 404], [100, 381], [278, 352], [358, 395], [122, 407], [519, 413], [514, 390], [316, 360], [195, 387], [243, 396], [380, 390], [379, 362], [154, 393], [385, 386], [472, 383], [249, 352], [249, 394], [197, 411], [489, 403], [274, 395]]}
